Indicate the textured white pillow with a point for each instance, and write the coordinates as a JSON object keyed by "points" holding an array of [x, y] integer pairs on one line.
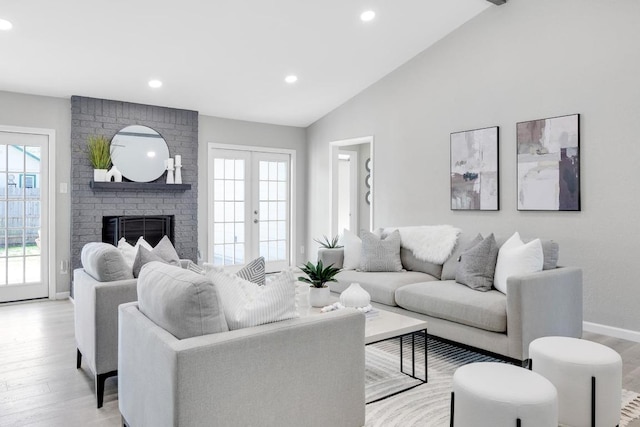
{"points": [[245, 304], [352, 250], [516, 258]]}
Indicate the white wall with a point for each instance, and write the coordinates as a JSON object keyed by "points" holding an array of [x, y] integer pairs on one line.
{"points": [[48, 113], [521, 61], [227, 131]]}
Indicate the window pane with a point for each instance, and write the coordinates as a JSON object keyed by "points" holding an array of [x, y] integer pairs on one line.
{"points": [[3, 271], [273, 230], [264, 171], [218, 233], [218, 211], [32, 269], [239, 232], [273, 251], [282, 191], [282, 171], [218, 168], [239, 169], [264, 211], [273, 171], [3, 158], [273, 210], [239, 190], [229, 190], [264, 250], [15, 214], [264, 231], [218, 254], [33, 213], [229, 214], [239, 212], [229, 252], [282, 211], [32, 159], [264, 190], [273, 191], [32, 236], [229, 168], [282, 230], [229, 235], [282, 252], [218, 189], [239, 256], [16, 270]]}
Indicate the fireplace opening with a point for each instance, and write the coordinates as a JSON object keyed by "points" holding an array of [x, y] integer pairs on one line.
{"points": [[152, 228]]}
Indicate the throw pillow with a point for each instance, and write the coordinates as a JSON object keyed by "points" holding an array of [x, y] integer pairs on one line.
{"points": [[352, 249], [192, 266], [253, 272], [477, 264], [515, 257], [380, 254], [129, 252], [165, 250], [104, 262], [143, 257], [180, 301], [246, 304]]}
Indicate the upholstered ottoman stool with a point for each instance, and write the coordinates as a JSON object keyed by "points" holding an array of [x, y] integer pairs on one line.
{"points": [[502, 395], [587, 375]]}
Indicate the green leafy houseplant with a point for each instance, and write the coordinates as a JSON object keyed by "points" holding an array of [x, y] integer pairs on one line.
{"points": [[99, 154], [329, 244], [318, 274]]}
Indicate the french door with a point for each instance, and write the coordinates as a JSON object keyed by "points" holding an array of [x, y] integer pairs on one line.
{"points": [[249, 207], [23, 221]]}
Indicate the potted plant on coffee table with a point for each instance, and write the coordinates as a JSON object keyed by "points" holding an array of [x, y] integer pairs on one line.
{"points": [[99, 156], [317, 277]]}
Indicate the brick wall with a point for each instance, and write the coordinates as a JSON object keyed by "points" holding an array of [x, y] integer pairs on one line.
{"points": [[90, 116]]}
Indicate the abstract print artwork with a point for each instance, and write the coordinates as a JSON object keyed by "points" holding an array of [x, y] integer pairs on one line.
{"points": [[474, 169], [549, 164]]}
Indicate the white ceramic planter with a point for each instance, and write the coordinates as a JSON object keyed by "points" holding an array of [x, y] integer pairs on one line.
{"points": [[355, 296], [319, 297], [99, 175]]}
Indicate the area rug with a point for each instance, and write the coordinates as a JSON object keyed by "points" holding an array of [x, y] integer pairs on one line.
{"points": [[427, 405]]}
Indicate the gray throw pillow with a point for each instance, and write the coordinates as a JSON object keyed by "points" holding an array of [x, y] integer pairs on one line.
{"points": [[450, 266], [104, 262], [144, 256], [254, 271], [183, 303], [165, 250], [410, 262], [380, 254], [478, 264]]}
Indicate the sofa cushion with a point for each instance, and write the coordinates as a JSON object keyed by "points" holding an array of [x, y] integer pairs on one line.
{"points": [[515, 258], [550, 251], [352, 250], [104, 262], [455, 302], [184, 303], [380, 285], [410, 262], [477, 265], [380, 254]]}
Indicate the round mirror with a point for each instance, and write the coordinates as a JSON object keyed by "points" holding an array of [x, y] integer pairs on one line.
{"points": [[139, 152]]}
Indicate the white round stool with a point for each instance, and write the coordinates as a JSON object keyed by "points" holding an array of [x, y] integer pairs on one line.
{"points": [[587, 375], [500, 395]]}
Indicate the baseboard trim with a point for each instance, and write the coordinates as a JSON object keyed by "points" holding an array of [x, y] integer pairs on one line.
{"points": [[62, 295], [612, 331]]}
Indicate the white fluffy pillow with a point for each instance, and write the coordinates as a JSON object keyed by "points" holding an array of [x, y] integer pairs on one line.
{"points": [[245, 304], [352, 250], [516, 258]]}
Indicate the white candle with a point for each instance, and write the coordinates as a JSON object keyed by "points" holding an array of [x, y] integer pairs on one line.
{"points": [[178, 160]]}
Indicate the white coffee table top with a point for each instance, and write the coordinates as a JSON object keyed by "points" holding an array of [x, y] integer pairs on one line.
{"points": [[381, 324]]}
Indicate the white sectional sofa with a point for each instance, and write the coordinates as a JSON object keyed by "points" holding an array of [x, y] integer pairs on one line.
{"points": [[539, 304]]}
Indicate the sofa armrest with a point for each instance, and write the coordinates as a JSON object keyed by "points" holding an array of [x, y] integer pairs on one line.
{"points": [[96, 318], [546, 303], [284, 372], [333, 256]]}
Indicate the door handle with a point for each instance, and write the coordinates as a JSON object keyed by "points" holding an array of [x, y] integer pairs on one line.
{"points": [[255, 221]]}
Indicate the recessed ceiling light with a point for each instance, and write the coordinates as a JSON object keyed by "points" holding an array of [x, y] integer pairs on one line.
{"points": [[5, 25], [155, 83], [368, 15], [291, 79]]}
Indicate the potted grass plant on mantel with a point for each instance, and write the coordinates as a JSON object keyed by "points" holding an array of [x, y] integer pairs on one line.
{"points": [[317, 277], [99, 156]]}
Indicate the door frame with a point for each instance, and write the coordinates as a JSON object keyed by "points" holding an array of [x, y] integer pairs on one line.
{"points": [[334, 148], [50, 235], [292, 191]]}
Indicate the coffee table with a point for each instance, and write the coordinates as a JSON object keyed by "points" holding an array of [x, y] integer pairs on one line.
{"points": [[383, 325]]}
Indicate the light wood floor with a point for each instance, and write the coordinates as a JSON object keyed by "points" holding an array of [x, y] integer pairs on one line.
{"points": [[40, 386]]}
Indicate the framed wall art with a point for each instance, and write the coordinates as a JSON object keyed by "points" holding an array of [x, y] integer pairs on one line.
{"points": [[549, 164], [474, 170]]}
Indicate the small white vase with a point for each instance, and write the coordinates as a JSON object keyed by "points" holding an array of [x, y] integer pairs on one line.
{"points": [[178, 176], [99, 175], [115, 174], [355, 296], [319, 297]]}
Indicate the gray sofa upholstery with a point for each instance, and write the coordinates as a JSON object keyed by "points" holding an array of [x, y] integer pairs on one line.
{"points": [[96, 299], [304, 371], [539, 304]]}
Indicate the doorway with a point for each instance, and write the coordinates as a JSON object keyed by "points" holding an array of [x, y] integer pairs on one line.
{"points": [[24, 213], [351, 185], [250, 203]]}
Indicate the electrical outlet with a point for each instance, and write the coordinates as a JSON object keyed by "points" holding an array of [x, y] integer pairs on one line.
{"points": [[64, 266], [63, 187]]}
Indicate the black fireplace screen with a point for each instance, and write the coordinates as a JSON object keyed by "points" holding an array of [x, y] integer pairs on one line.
{"points": [[152, 228]]}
